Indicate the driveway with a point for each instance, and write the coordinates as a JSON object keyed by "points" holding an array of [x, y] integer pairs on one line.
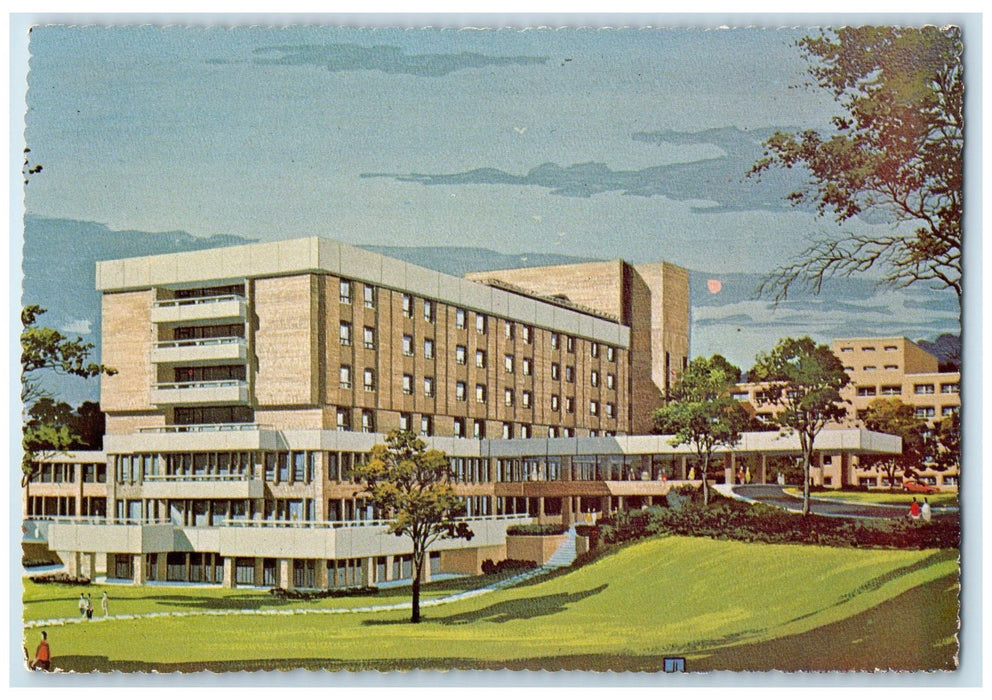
{"points": [[775, 495]]}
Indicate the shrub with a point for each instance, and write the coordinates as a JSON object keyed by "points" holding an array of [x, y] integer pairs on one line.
{"points": [[489, 567], [539, 530], [61, 577], [296, 594]]}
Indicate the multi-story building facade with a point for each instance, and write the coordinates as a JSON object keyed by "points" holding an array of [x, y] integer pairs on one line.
{"points": [[881, 368], [252, 379]]}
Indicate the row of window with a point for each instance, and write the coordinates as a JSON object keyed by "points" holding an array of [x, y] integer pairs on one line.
{"points": [[369, 383], [896, 390], [461, 425], [871, 348]]}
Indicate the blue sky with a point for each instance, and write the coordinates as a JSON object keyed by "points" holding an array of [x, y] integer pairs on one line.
{"points": [[602, 143]]}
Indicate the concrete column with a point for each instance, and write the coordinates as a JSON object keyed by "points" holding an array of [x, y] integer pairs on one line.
{"points": [[321, 579], [161, 567], [540, 509], [604, 505], [764, 469], [389, 567], [685, 471], [427, 568], [259, 566], [620, 503], [77, 470], [73, 564], [567, 518], [228, 581], [89, 565], [138, 565], [284, 569], [367, 573]]}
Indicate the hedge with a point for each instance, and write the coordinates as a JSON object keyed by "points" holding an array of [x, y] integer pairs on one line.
{"points": [[539, 530]]}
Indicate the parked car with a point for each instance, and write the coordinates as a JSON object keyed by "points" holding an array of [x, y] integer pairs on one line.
{"points": [[914, 486]]}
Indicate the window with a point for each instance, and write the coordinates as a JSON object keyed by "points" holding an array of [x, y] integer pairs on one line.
{"points": [[593, 408], [428, 348], [408, 345], [428, 310], [736, 396], [507, 431], [923, 388], [508, 363], [368, 338], [554, 402], [890, 348], [569, 344], [594, 378], [343, 419], [408, 305], [406, 420], [552, 431], [847, 349], [368, 422], [950, 388], [428, 386], [460, 391], [527, 333], [508, 397], [869, 368], [345, 377], [949, 410], [524, 430], [610, 410], [848, 369], [426, 425], [527, 367], [891, 390], [508, 330], [567, 432], [480, 393], [569, 374], [459, 430], [369, 297], [480, 323], [555, 341], [480, 358], [569, 404], [891, 367], [525, 399], [459, 318], [478, 429], [369, 380], [594, 349], [925, 412], [555, 370], [868, 348], [611, 353], [611, 381], [866, 391], [408, 384], [345, 334], [460, 354], [345, 294]]}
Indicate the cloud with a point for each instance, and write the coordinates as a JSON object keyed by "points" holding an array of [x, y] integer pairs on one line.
{"points": [[78, 327], [342, 58], [714, 185]]}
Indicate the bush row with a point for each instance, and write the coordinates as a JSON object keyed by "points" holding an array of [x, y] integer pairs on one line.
{"points": [[296, 594], [490, 567], [61, 577], [543, 530]]}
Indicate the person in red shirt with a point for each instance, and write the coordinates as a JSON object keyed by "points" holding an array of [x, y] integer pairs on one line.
{"points": [[43, 657], [914, 509]]}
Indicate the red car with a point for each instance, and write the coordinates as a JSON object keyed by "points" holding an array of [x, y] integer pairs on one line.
{"points": [[914, 486]]}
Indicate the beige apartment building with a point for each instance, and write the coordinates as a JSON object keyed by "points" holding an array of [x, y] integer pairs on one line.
{"points": [[252, 379]]}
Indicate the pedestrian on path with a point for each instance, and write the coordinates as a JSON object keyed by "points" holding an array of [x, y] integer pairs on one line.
{"points": [[82, 605], [925, 511], [43, 656], [89, 607], [105, 604], [914, 509]]}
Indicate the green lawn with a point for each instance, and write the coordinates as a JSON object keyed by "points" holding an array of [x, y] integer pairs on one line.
{"points": [[704, 599], [882, 497]]}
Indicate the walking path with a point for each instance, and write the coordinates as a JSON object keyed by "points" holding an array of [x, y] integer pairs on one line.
{"points": [[563, 556], [774, 495]]}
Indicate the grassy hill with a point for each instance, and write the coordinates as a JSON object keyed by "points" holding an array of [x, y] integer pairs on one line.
{"points": [[720, 604]]}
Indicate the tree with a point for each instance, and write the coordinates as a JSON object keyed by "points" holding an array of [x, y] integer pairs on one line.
{"points": [[943, 444], [894, 417], [803, 381], [896, 155], [701, 412], [413, 486], [46, 349]]}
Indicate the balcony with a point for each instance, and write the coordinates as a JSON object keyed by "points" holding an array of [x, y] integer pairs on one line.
{"points": [[213, 486], [194, 438], [223, 392], [104, 535], [227, 308], [200, 351]]}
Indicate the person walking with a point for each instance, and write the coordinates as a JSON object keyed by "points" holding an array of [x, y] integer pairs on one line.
{"points": [[925, 512], [914, 509], [105, 604], [43, 656], [82, 605], [89, 607]]}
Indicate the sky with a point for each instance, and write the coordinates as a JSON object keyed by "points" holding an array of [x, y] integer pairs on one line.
{"points": [[601, 143]]}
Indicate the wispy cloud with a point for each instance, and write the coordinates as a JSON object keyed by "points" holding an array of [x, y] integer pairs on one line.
{"points": [[340, 58], [716, 184]]}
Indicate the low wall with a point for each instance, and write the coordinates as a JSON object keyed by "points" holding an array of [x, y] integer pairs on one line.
{"points": [[469, 561], [533, 547]]}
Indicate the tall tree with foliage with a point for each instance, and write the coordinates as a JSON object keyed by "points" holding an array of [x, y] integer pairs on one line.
{"points": [[412, 486], [701, 411], [802, 381], [896, 155], [894, 417], [46, 349], [943, 443]]}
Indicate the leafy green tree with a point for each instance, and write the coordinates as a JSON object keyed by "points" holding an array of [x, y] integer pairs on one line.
{"points": [[802, 380], [46, 349], [943, 443], [896, 154], [701, 412], [894, 417], [412, 485]]}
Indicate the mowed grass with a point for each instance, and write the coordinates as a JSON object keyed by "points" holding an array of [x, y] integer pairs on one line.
{"points": [[682, 596], [943, 498]]}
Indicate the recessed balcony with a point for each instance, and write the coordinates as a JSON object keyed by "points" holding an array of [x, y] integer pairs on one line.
{"points": [[223, 392], [227, 308], [200, 351]]}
